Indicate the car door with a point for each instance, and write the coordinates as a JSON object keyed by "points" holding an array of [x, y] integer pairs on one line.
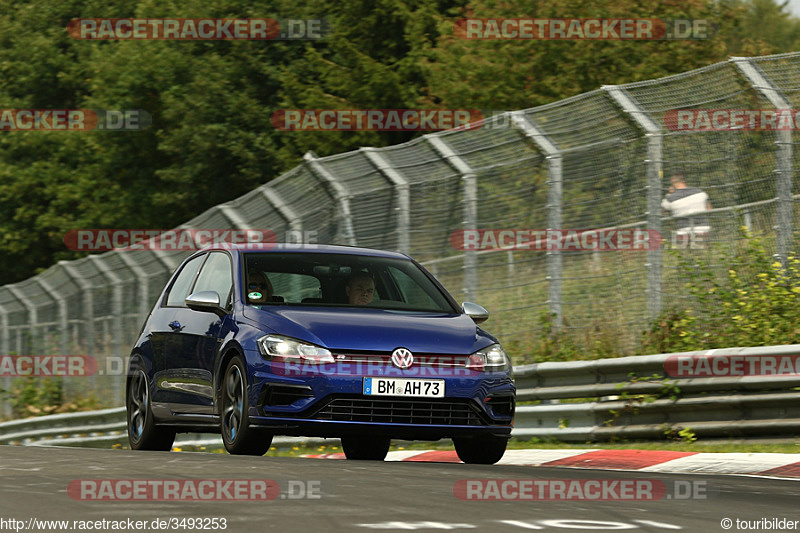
{"points": [[197, 337], [162, 327]]}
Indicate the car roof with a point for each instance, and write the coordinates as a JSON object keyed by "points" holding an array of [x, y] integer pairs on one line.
{"points": [[304, 248]]}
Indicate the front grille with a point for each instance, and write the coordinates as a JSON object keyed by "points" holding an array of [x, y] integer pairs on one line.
{"points": [[419, 412], [386, 358]]}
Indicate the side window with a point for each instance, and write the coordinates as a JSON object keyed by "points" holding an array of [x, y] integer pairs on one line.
{"points": [[179, 291], [216, 276]]}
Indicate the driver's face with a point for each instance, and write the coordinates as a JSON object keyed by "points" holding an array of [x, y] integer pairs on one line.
{"points": [[361, 292], [257, 284]]}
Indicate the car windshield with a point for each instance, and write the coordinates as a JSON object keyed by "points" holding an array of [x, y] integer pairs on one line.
{"points": [[322, 279]]}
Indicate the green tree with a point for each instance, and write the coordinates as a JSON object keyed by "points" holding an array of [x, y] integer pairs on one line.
{"points": [[515, 74], [372, 61], [211, 139]]}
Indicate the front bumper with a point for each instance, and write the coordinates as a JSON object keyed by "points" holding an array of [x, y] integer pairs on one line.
{"points": [[320, 428], [334, 405]]}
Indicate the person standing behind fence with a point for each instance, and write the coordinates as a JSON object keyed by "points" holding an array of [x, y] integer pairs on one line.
{"points": [[687, 205]]}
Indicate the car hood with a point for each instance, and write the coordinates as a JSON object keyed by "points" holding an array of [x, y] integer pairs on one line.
{"points": [[376, 330]]}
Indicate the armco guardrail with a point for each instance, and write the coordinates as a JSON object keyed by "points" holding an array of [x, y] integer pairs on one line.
{"points": [[639, 400], [626, 397], [95, 428], [85, 426]]}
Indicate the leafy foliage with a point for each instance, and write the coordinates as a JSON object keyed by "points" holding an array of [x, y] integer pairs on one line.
{"points": [[211, 139], [753, 303], [34, 396]]}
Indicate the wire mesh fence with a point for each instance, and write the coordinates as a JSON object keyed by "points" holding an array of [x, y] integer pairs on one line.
{"points": [[597, 160]]}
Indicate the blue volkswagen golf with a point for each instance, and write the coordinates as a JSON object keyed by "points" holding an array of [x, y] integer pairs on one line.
{"points": [[327, 341]]}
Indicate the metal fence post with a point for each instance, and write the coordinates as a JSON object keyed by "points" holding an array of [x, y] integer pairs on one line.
{"points": [[294, 222], [63, 320], [554, 203], [166, 259], [284, 210], [4, 351], [116, 332], [654, 174], [142, 283], [232, 216], [783, 155], [401, 187], [62, 314], [469, 181], [339, 192], [33, 317], [88, 304], [783, 190]]}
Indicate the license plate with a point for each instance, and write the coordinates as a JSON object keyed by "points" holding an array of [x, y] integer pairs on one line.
{"points": [[425, 388]]}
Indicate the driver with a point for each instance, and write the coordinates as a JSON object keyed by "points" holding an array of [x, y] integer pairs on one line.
{"points": [[259, 289], [360, 289]]}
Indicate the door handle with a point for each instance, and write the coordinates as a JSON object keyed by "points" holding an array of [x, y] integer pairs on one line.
{"points": [[175, 325]]}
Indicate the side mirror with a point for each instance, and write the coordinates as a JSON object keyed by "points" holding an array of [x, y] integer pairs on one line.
{"points": [[477, 313], [207, 301]]}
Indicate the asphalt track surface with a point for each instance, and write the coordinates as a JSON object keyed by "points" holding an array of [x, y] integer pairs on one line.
{"points": [[369, 496]]}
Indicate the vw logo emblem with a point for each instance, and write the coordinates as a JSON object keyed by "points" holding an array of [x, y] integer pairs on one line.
{"points": [[402, 358]]}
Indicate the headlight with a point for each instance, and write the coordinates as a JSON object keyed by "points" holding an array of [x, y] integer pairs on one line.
{"points": [[288, 348], [492, 358]]}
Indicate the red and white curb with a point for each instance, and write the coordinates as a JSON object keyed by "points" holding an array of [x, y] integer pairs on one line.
{"points": [[759, 464]]}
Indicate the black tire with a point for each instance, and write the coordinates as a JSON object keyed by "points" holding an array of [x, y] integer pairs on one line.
{"points": [[143, 434], [480, 450], [365, 448], [237, 434]]}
